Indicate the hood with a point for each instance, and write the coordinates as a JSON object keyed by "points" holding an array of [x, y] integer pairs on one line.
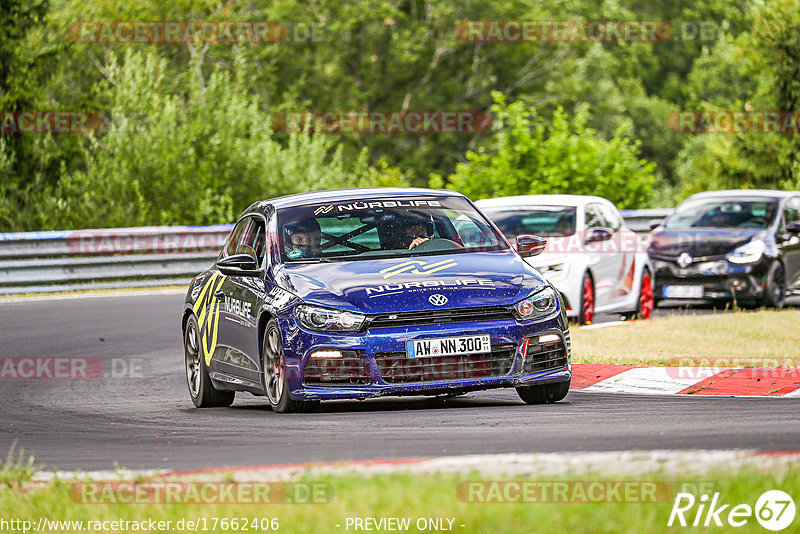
{"points": [[405, 284], [699, 242]]}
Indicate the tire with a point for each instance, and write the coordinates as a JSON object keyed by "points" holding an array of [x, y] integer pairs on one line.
{"points": [[274, 379], [544, 394], [646, 302], [775, 291], [202, 391], [586, 313]]}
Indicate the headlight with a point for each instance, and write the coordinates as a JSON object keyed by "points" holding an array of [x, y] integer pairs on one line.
{"points": [[553, 269], [748, 253], [328, 320], [540, 304]]}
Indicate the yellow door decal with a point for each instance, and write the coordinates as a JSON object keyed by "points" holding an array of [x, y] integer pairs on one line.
{"points": [[206, 308]]}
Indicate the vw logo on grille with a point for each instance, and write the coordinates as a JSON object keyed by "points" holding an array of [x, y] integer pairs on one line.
{"points": [[684, 260], [437, 300]]}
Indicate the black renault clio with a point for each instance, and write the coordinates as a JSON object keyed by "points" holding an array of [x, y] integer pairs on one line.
{"points": [[719, 246]]}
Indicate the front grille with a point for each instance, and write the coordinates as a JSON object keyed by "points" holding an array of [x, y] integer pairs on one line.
{"points": [[426, 317], [396, 368], [544, 357], [349, 369]]}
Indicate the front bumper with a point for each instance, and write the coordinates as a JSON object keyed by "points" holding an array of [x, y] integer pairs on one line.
{"points": [[720, 279], [300, 343]]}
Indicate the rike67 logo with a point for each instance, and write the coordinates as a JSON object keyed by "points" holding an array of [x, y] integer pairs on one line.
{"points": [[774, 510]]}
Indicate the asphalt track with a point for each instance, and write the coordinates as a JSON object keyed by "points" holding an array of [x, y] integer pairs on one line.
{"points": [[143, 417]]}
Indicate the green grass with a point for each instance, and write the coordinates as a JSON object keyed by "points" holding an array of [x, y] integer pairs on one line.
{"points": [[763, 338], [17, 469], [417, 496]]}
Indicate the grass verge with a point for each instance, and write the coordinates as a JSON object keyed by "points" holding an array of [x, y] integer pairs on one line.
{"points": [[419, 496], [763, 338]]}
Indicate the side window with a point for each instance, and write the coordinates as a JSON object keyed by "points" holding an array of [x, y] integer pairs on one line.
{"points": [[611, 217], [791, 213], [593, 217], [230, 245], [253, 240]]}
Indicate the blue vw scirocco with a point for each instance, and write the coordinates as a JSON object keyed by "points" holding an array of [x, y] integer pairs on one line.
{"points": [[360, 293]]}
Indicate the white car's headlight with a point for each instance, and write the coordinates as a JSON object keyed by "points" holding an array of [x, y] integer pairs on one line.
{"points": [[748, 253], [555, 269], [328, 320], [537, 305]]}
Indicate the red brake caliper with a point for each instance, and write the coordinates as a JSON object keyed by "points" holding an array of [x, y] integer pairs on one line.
{"points": [[646, 299], [588, 301]]}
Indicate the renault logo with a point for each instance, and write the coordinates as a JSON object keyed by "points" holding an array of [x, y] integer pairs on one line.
{"points": [[684, 260], [437, 300]]}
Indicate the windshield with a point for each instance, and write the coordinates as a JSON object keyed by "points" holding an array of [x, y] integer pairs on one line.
{"points": [[724, 213], [383, 228], [545, 221]]}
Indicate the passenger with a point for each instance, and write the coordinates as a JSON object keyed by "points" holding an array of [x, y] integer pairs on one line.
{"points": [[563, 226], [302, 239]]}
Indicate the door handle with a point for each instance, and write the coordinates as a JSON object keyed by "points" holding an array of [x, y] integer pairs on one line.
{"points": [[218, 294]]}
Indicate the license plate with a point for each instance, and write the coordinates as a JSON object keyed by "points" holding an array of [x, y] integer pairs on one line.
{"points": [[683, 292], [448, 346]]}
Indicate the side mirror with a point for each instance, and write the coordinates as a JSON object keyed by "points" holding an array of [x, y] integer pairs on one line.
{"points": [[793, 227], [530, 245], [655, 223], [598, 234], [238, 265]]}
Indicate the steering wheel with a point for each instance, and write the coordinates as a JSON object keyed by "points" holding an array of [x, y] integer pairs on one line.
{"points": [[437, 243]]}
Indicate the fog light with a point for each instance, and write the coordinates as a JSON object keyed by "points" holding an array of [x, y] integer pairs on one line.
{"points": [[326, 354], [739, 285], [549, 338]]}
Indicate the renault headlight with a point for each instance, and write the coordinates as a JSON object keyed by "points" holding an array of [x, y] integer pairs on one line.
{"points": [[748, 253], [328, 320], [537, 305]]}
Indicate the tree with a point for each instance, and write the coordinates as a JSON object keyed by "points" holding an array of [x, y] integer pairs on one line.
{"points": [[529, 155]]}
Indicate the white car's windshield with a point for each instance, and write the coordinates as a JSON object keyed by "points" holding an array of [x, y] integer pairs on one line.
{"points": [[383, 228], [545, 221], [724, 213]]}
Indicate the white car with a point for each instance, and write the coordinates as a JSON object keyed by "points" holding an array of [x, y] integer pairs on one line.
{"points": [[597, 264]]}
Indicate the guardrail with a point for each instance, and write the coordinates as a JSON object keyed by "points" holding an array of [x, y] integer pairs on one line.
{"points": [[36, 262]]}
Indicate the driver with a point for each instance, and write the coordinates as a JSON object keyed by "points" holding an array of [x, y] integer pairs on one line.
{"points": [[417, 233], [302, 239], [416, 230]]}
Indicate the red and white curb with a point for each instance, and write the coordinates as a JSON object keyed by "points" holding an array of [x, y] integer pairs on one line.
{"points": [[622, 463], [686, 380]]}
